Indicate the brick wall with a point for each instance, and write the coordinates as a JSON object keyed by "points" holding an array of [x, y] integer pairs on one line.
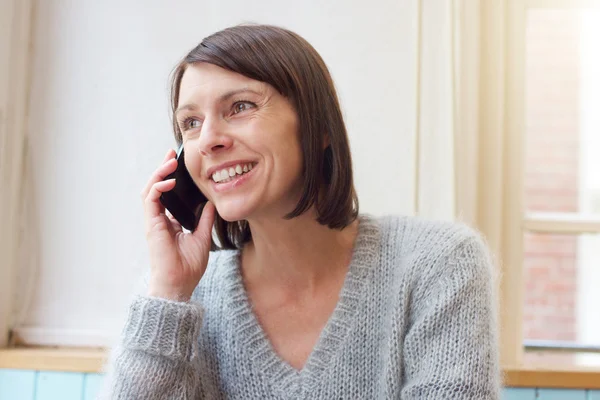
{"points": [[551, 181]]}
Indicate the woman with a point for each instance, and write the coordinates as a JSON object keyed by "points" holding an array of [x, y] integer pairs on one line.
{"points": [[305, 299]]}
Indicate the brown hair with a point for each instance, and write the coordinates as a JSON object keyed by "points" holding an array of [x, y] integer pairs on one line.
{"points": [[293, 67]]}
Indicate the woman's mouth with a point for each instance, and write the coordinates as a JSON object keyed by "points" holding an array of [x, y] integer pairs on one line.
{"points": [[233, 176], [232, 173]]}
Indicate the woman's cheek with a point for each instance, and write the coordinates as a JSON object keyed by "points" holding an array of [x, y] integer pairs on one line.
{"points": [[195, 170]]}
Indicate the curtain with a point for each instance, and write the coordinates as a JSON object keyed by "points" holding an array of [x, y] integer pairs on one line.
{"points": [[460, 114], [435, 181], [15, 46], [448, 89]]}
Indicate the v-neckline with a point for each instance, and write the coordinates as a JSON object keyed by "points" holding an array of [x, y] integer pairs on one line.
{"points": [[254, 342]]}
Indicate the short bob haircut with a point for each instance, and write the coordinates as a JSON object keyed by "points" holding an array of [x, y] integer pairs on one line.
{"points": [[293, 67]]}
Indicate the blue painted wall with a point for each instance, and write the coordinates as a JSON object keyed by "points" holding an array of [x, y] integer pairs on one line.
{"points": [[43, 385]]}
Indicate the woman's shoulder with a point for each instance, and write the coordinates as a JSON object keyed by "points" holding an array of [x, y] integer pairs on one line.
{"points": [[423, 252], [413, 232], [425, 242]]}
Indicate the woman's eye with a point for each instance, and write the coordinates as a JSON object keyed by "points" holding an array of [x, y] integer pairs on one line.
{"points": [[190, 123], [242, 106]]}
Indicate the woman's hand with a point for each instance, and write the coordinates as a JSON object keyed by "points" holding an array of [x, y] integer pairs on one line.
{"points": [[177, 259]]}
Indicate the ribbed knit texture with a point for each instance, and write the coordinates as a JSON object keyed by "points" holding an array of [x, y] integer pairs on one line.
{"points": [[415, 320]]}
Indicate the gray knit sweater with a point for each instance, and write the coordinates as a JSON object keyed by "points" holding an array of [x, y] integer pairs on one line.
{"points": [[415, 320]]}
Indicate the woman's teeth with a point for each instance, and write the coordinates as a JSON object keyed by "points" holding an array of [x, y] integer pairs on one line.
{"points": [[227, 174]]}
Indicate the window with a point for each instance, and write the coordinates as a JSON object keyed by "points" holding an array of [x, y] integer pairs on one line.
{"points": [[557, 86]]}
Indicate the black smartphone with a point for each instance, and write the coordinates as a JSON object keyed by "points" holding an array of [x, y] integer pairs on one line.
{"points": [[185, 201]]}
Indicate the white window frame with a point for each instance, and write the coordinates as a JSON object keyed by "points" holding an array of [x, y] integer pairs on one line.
{"points": [[491, 120], [505, 220]]}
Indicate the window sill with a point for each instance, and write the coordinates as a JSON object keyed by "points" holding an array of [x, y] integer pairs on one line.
{"points": [[552, 377], [92, 360], [53, 359]]}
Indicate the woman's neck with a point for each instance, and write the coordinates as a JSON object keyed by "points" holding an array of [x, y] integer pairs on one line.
{"points": [[297, 254]]}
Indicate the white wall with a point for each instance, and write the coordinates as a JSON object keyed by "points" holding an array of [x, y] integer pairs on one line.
{"points": [[99, 122]]}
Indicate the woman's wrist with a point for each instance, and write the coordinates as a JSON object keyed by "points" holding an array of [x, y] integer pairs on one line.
{"points": [[171, 294]]}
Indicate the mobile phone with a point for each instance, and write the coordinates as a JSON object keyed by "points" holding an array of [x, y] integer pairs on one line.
{"points": [[185, 201]]}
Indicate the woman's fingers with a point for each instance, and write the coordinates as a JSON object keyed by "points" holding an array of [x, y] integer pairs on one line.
{"points": [[160, 173], [152, 205], [204, 229], [170, 154], [174, 223]]}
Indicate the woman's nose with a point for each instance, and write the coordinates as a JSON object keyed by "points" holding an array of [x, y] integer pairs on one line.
{"points": [[213, 137]]}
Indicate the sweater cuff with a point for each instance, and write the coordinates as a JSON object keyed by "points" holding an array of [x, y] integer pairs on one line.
{"points": [[163, 327]]}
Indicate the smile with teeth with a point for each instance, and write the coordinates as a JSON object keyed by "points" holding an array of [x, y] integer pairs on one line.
{"points": [[229, 174]]}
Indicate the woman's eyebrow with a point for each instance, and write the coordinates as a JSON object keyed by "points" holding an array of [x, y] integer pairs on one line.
{"points": [[224, 97], [235, 92]]}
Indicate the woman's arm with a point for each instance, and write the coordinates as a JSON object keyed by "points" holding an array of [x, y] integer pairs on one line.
{"points": [[451, 348], [157, 356]]}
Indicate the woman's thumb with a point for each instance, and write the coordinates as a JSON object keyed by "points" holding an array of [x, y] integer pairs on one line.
{"points": [[203, 231]]}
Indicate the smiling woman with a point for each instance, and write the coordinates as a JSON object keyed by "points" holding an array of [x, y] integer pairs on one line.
{"points": [[302, 297], [254, 125], [275, 77]]}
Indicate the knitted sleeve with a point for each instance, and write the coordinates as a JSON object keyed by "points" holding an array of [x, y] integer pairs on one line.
{"points": [[450, 349], [157, 355]]}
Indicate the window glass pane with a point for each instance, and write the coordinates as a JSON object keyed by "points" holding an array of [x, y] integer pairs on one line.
{"points": [[562, 174], [562, 157], [562, 294]]}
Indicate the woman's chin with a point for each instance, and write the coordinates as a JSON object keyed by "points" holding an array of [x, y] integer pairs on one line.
{"points": [[232, 214]]}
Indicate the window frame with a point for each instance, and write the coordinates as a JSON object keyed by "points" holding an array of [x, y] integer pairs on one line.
{"points": [[516, 220]]}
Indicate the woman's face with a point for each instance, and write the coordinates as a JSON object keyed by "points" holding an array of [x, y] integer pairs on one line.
{"points": [[241, 142]]}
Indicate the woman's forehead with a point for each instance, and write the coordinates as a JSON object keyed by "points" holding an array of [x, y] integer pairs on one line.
{"points": [[203, 82]]}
